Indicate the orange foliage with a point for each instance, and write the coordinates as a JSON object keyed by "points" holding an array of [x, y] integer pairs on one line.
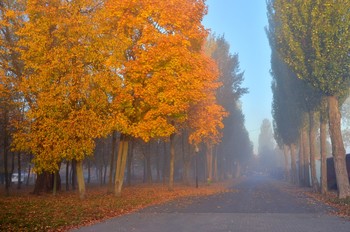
{"points": [[59, 47], [92, 67], [165, 71]]}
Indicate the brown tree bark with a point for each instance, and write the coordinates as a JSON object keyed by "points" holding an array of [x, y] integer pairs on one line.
{"points": [[29, 173], [215, 164], [286, 163], [172, 162], [301, 160], [158, 161], [45, 182], [74, 174], [80, 179], [129, 163], [19, 170], [121, 163], [323, 129], [165, 172], [338, 149], [293, 164], [67, 175], [312, 139], [209, 156], [306, 150], [89, 171], [186, 158], [148, 164], [111, 167]]}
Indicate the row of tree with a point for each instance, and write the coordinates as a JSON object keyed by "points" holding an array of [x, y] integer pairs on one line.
{"points": [[310, 59], [76, 71]]}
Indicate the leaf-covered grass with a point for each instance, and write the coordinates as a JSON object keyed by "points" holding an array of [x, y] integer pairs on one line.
{"points": [[341, 206], [26, 212]]}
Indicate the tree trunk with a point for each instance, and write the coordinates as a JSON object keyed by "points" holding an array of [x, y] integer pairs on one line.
{"points": [[29, 172], [45, 182], [158, 162], [209, 155], [105, 173], [306, 149], [54, 191], [338, 149], [323, 128], [111, 167], [301, 160], [215, 164], [74, 174], [42, 183], [67, 175], [130, 157], [80, 178], [312, 139], [120, 166], [89, 171], [165, 174], [19, 171], [293, 164], [237, 169], [148, 165], [5, 147], [172, 162], [286, 163]]}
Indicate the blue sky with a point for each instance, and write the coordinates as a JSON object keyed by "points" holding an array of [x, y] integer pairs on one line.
{"points": [[242, 22]]}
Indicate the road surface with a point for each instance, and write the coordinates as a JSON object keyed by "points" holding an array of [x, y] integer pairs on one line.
{"points": [[260, 204]]}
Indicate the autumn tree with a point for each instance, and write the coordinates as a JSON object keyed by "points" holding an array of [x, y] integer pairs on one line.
{"points": [[11, 68], [313, 38], [164, 72], [59, 45]]}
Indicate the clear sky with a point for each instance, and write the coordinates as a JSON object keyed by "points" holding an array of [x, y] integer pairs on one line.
{"points": [[243, 22]]}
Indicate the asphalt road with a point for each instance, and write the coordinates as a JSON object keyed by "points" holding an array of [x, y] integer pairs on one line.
{"points": [[259, 204]]}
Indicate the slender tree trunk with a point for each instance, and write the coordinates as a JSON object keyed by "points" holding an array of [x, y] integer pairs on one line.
{"points": [[54, 191], [209, 155], [286, 163], [74, 174], [215, 164], [12, 167], [19, 170], [301, 160], [165, 173], [184, 159], [80, 178], [323, 128], [67, 175], [130, 157], [306, 149], [338, 149], [5, 147], [312, 139], [105, 173], [147, 164], [89, 171], [172, 162], [29, 172], [293, 163], [120, 166], [158, 162], [111, 167], [237, 169]]}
